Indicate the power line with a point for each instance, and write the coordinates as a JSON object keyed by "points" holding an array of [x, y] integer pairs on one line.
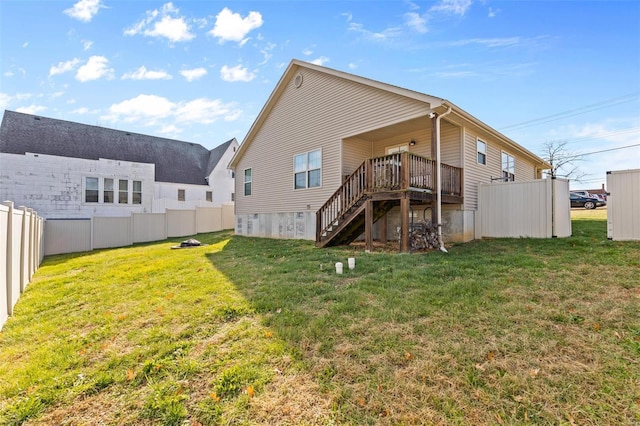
{"points": [[600, 136], [598, 152], [576, 111]]}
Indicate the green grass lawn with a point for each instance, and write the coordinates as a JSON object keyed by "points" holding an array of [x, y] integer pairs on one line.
{"points": [[260, 331]]}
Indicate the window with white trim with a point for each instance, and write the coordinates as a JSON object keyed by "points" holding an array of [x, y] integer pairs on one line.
{"points": [[247, 182], [508, 168], [123, 191], [181, 195], [307, 170], [481, 147], [208, 196], [396, 149], [137, 192], [107, 194], [91, 190]]}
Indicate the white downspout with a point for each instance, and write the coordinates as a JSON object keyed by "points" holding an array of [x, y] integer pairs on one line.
{"points": [[439, 180]]}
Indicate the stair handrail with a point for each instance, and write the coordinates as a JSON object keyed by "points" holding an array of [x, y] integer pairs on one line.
{"points": [[345, 197]]}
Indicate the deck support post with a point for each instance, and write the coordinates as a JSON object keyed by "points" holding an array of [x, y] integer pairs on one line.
{"points": [[368, 225], [383, 229], [404, 230]]}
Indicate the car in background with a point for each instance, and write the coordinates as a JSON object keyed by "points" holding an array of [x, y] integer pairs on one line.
{"points": [[588, 202]]}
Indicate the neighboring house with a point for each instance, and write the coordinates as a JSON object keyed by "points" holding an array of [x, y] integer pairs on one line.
{"points": [[331, 153], [69, 170]]}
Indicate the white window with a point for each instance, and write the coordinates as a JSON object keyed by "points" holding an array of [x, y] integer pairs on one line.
{"points": [[181, 195], [209, 196], [247, 182], [123, 191], [91, 190], [508, 168], [307, 170], [137, 192], [397, 149], [107, 195], [482, 151]]}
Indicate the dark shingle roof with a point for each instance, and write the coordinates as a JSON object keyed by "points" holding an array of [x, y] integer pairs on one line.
{"points": [[175, 161]]}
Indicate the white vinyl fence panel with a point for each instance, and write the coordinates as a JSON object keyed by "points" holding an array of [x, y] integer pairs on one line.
{"points": [[623, 205], [4, 240], [67, 236], [536, 209], [181, 223], [20, 253], [149, 227], [208, 219], [111, 232]]}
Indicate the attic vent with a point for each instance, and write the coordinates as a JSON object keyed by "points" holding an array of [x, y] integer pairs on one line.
{"points": [[297, 80], [36, 118]]}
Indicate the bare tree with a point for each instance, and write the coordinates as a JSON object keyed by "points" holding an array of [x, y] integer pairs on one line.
{"points": [[563, 162]]}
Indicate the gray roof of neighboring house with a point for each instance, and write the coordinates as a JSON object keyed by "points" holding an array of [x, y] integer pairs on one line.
{"points": [[175, 161]]}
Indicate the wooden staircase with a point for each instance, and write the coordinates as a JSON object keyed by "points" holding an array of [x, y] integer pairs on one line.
{"points": [[383, 181]]}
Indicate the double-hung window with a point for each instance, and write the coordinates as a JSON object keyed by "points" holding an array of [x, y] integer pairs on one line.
{"points": [[91, 190], [107, 195], [247, 181], [137, 192], [181, 195], [508, 168], [307, 170], [123, 191], [481, 147]]}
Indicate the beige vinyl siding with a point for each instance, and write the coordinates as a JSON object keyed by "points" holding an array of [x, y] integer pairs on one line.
{"points": [[354, 152], [317, 115], [475, 173], [450, 144], [422, 146]]}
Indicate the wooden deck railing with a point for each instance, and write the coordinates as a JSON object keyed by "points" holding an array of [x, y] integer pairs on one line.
{"points": [[394, 172]]}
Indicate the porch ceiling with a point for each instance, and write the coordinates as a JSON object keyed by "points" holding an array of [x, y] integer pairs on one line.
{"points": [[409, 126]]}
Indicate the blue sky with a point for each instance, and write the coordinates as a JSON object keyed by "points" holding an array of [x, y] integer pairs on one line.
{"points": [[200, 71]]}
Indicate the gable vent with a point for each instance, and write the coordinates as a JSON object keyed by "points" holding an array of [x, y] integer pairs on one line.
{"points": [[297, 80]]}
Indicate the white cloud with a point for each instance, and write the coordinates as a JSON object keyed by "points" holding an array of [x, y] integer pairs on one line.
{"points": [[5, 99], [388, 33], [416, 22], [231, 26], [157, 110], [84, 111], [86, 44], [31, 109], [142, 107], [63, 67], [143, 73], [492, 12], [352, 66], [193, 74], [307, 52], [320, 61], [237, 73], [95, 68], [170, 130], [455, 7], [488, 42], [25, 44], [163, 23], [84, 10], [205, 111], [8, 74], [266, 52]]}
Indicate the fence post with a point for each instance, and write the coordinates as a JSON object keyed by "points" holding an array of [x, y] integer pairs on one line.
{"points": [[10, 254]]}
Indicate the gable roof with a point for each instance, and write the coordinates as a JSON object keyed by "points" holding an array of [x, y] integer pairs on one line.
{"points": [[175, 161], [434, 103]]}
